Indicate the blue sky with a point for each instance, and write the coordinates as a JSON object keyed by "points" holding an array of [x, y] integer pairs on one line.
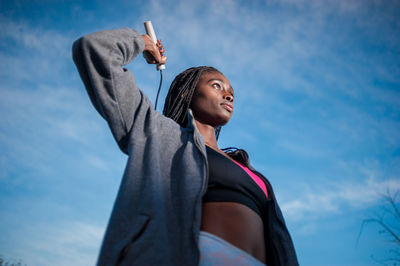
{"points": [[317, 86]]}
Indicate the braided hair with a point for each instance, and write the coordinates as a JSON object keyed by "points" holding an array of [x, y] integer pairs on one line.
{"points": [[181, 92]]}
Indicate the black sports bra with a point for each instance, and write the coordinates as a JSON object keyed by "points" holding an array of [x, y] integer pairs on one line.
{"points": [[231, 182]]}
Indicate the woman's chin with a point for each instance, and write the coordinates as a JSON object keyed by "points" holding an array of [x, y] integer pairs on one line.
{"points": [[222, 122]]}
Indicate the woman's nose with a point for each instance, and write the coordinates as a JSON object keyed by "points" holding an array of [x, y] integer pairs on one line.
{"points": [[228, 97]]}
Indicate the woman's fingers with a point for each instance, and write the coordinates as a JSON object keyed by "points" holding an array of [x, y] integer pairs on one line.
{"points": [[153, 53], [163, 60], [160, 47], [161, 50]]}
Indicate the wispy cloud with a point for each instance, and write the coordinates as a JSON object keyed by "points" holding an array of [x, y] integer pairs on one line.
{"points": [[44, 41], [317, 201], [33, 53], [40, 125], [68, 243]]}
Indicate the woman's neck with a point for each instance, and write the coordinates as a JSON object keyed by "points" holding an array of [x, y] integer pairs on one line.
{"points": [[208, 133]]}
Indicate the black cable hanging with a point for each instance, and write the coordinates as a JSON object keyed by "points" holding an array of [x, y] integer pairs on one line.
{"points": [[158, 92]]}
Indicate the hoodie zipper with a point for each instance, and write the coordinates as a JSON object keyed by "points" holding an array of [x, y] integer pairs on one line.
{"points": [[205, 180], [202, 192]]}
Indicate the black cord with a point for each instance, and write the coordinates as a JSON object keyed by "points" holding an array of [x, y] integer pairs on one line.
{"points": [[159, 88]]}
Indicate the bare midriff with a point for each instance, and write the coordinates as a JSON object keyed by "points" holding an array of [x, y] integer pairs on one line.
{"points": [[237, 224]]}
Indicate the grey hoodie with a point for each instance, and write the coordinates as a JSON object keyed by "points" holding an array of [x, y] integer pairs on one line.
{"points": [[156, 216]]}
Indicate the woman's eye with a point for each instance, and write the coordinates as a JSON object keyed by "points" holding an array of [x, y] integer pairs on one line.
{"points": [[217, 86]]}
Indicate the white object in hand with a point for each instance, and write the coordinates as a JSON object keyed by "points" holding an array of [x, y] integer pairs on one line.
{"points": [[150, 31]]}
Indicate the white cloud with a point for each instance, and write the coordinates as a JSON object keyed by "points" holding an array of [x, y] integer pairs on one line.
{"points": [[44, 41], [35, 54], [68, 243], [317, 201], [41, 127]]}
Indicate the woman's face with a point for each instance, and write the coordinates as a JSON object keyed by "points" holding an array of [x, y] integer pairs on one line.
{"points": [[212, 101]]}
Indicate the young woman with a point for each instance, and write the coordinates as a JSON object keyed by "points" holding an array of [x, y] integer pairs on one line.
{"points": [[182, 200]]}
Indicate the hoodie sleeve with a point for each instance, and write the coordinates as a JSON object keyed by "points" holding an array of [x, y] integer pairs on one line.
{"points": [[112, 89]]}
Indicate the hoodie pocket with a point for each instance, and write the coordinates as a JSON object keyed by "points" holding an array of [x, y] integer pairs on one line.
{"points": [[138, 229]]}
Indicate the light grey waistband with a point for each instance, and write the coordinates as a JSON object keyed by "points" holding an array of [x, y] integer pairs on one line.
{"points": [[214, 251]]}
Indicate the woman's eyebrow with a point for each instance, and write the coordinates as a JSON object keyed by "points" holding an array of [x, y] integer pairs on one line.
{"points": [[220, 80], [212, 79]]}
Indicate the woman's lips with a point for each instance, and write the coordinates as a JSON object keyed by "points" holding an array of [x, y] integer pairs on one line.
{"points": [[227, 106]]}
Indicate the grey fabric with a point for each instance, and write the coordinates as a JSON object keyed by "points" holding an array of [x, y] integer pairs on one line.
{"points": [[157, 210], [214, 251]]}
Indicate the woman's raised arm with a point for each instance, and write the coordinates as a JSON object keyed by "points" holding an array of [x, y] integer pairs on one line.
{"points": [[100, 58]]}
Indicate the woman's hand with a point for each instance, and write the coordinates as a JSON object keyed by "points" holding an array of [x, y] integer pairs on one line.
{"points": [[153, 53]]}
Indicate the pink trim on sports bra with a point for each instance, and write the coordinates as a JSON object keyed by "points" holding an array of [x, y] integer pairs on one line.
{"points": [[255, 177]]}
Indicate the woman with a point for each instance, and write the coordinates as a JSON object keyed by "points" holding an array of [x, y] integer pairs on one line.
{"points": [[172, 207]]}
